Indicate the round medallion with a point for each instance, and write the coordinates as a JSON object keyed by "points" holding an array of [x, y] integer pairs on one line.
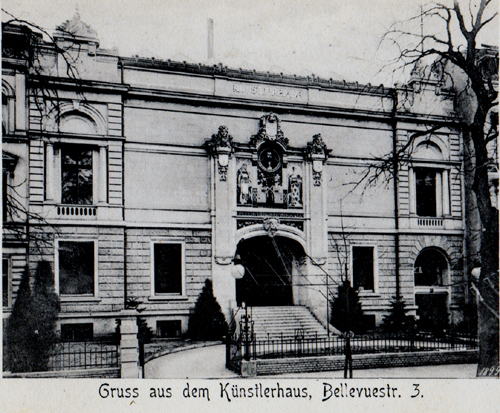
{"points": [[269, 160]]}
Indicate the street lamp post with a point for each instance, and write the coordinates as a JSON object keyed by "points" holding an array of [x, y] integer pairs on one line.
{"points": [[246, 326], [246, 323]]}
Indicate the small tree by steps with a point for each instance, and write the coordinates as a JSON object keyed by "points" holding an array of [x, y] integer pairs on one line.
{"points": [[346, 312], [31, 327], [207, 322], [398, 320]]}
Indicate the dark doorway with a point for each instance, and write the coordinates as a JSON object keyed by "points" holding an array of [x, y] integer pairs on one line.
{"points": [[432, 312], [268, 266]]}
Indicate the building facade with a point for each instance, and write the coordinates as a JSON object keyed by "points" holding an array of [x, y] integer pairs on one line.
{"points": [[139, 179]]}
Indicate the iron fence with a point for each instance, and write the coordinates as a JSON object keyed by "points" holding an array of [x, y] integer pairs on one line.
{"points": [[103, 353], [300, 346]]}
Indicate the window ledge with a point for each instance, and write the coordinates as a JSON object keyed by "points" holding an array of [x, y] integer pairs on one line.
{"points": [[168, 298], [430, 290], [368, 294], [79, 299]]}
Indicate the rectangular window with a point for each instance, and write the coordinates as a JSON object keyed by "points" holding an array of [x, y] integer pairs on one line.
{"points": [[76, 175], [5, 282], [168, 268], [363, 267], [76, 268], [77, 332], [426, 192], [168, 328]]}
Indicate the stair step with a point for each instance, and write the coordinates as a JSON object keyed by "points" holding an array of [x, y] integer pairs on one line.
{"points": [[282, 322]]}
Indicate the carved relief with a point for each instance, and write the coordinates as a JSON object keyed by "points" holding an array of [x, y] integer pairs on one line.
{"points": [[242, 223], [294, 190], [77, 28], [317, 152], [317, 146], [222, 139], [269, 185], [317, 178], [271, 226], [220, 146], [222, 172], [269, 130]]}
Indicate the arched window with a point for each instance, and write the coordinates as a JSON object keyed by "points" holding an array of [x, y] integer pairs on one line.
{"points": [[430, 269], [78, 123], [429, 182], [76, 166]]}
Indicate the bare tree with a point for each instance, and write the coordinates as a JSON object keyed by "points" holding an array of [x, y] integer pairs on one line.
{"points": [[457, 62], [29, 42]]}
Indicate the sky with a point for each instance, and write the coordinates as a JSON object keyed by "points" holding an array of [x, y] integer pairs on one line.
{"points": [[336, 39]]}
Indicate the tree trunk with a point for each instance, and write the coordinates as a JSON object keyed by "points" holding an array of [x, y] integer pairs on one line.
{"points": [[487, 285]]}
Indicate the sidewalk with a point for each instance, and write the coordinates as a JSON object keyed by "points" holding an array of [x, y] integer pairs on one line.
{"points": [[209, 362]]}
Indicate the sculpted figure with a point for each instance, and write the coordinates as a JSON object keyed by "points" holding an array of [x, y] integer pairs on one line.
{"points": [[244, 184]]}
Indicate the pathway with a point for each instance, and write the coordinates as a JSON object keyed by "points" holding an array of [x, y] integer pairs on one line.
{"points": [[209, 362]]}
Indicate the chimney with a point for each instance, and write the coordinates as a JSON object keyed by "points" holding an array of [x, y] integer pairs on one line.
{"points": [[210, 38]]}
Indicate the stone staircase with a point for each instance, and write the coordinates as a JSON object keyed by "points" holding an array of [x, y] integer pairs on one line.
{"points": [[285, 321]]}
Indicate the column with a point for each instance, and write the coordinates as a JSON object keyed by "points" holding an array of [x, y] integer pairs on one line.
{"points": [[20, 102], [439, 194], [318, 233], [50, 178], [446, 193], [223, 237], [102, 196], [129, 345], [412, 191], [56, 178]]}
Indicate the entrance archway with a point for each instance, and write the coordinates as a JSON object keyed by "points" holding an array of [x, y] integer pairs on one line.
{"points": [[269, 264], [431, 292]]}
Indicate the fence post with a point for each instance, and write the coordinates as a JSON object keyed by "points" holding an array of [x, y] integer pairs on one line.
{"points": [[129, 345], [228, 350]]}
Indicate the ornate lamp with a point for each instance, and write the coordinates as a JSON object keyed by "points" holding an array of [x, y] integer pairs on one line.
{"points": [[220, 146]]}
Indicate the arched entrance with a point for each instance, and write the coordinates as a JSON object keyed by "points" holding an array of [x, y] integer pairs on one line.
{"points": [[431, 291], [269, 264]]}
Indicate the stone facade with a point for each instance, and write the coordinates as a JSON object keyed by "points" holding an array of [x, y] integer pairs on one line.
{"points": [[162, 171]]}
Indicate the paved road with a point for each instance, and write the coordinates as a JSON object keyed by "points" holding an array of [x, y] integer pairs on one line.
{"points": [[198, 363], [209, 362]]}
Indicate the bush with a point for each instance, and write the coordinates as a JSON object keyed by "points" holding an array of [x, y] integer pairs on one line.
{"points": [[207, 322], [398, 320], [144, 333], [346, 312], [31, 327]]}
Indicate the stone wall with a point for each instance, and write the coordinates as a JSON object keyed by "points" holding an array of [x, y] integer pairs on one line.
{"points": [[360, 361], [109, 373]]}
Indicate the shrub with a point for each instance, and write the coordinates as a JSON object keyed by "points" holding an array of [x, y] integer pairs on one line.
{"points": [[31, 327], [346, 312], [145, 333], [397, 320], [207, 322]]}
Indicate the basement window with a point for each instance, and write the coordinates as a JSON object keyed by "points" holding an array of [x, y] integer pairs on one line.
{"points": [[77, 332], [168, 328]]}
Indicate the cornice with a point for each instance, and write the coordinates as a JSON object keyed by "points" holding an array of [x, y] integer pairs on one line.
{"points": [[65, 83], [224, 72]]}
